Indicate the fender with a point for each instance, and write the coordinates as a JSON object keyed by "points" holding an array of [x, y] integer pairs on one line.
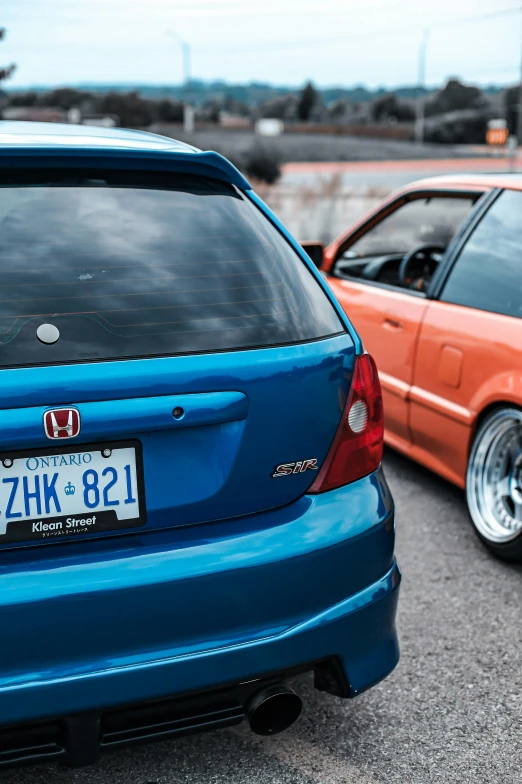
{"points": [[503, 387]]}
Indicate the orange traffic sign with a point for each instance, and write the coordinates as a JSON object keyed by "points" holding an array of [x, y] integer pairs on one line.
{"points": [[497, 136]]}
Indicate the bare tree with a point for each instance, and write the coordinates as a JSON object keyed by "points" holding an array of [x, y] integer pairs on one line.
{"points": [[8, 70]]}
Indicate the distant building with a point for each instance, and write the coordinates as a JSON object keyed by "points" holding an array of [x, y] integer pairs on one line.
{"points": [[269, 126], [229, 120], [75, 116], [53, 114], [105, 121], [35, 113]]}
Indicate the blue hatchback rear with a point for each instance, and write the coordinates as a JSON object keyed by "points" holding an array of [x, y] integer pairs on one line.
{"points": [[192, 508]]}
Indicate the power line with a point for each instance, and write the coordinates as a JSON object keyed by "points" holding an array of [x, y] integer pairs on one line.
{"points": [[478, 17], [357, 37], [294, 43], [287, 46]]}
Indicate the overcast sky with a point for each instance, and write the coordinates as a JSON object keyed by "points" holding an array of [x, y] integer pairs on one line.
{"points": [[344, 42]]}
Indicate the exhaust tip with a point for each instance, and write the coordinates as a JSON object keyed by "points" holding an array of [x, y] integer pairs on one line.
{"points": [[273, 710]]}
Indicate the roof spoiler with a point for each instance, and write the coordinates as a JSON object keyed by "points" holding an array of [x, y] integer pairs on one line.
{"points": [[209, 164]]}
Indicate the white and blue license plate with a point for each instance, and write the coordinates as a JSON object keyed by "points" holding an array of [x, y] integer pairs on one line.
{"points": [[70, 492]]}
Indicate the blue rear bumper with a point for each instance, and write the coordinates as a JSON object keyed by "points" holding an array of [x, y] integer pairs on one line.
{"points": [[92, 625]]}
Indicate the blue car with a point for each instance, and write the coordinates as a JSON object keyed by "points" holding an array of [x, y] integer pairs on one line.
{"points": [[192, 506]]}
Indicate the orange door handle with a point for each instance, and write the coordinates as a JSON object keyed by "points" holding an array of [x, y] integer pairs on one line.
{"points": [[392, 324]]}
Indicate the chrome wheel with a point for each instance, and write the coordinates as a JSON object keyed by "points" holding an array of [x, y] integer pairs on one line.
{"points": [[494, 480]]}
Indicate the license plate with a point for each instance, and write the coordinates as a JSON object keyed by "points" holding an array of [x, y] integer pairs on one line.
{"points": [[69, 492]]}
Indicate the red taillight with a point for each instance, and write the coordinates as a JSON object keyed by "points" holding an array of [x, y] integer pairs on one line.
{"points": [[357, 447]]}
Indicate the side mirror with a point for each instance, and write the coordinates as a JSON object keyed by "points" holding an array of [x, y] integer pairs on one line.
{"points": [[315, 250]]}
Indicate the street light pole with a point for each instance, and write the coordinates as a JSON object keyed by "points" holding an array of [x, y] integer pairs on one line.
{"points": [[421, 77], [519, 123], [187, 55], [188, 110], [186, 61]]}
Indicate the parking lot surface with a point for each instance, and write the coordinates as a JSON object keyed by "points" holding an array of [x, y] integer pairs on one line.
{"points": [[451, 712]]}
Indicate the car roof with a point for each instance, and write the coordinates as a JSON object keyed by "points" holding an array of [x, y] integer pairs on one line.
{"points": [[479, 182], [36, 143]]}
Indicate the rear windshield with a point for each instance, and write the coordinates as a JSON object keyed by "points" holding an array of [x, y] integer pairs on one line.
{"points": [[131, 265]]}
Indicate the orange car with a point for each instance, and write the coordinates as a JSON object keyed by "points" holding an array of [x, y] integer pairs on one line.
{"points": [[432, 279]]}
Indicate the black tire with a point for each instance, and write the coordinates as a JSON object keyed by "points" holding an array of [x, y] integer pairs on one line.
{"points": [[494, 483]]}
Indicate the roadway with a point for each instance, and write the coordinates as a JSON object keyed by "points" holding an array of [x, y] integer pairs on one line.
{"points": [[451, 712], [393, 173]]}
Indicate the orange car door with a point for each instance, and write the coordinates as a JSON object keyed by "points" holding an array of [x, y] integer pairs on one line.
{"points": [[386, 314], [388, 322], [470, 346]]}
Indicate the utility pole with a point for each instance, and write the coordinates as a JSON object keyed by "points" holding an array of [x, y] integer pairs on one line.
{"points": [[186, 61], [519, 123], [421, 78], [187, 55], [188, 110]]}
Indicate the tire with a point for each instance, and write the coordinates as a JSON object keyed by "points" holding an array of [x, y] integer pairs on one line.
{"points": [[494, 483]]}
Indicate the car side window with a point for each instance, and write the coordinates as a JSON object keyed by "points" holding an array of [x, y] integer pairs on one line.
{"points": [[487, 274], [423, 226], [418, 222]]}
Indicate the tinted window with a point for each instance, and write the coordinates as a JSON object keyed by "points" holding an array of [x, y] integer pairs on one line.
{"points": [[420, 222], [488, 272], [140, 265]]}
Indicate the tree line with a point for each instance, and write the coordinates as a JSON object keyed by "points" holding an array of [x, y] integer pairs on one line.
{"points": [[456, 113]]}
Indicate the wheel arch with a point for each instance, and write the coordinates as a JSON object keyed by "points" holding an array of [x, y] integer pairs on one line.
{"points": [[483, 415], [502, 388], [492, 521]]}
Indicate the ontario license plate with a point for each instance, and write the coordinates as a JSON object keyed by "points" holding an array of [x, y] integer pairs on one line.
{"points": [[70, 492]]}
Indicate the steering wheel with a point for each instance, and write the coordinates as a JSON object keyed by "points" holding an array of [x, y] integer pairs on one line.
{"points": [[421, 259]]}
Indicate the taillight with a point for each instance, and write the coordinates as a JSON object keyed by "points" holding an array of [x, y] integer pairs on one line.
{"points": [[357, 447]]}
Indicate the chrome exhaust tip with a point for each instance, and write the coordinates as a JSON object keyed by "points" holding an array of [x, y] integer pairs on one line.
{"points": [[273, 710]]}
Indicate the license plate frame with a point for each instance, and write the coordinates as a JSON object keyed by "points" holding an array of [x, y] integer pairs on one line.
{"points": [[109, 522]]}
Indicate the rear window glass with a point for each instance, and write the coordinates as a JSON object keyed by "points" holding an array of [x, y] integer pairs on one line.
{"points": [[129, 265]]}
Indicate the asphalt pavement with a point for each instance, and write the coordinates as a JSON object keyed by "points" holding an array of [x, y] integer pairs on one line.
{"points": [[451, 711]]}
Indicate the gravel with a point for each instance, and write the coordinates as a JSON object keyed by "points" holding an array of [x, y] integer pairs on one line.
{"points": [[451, 712]]}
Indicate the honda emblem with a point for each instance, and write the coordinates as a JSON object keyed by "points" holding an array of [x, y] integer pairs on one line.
{"points": [[62, 423]]}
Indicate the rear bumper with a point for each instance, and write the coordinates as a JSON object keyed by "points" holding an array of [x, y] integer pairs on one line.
{"points": [[93, 625]]}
